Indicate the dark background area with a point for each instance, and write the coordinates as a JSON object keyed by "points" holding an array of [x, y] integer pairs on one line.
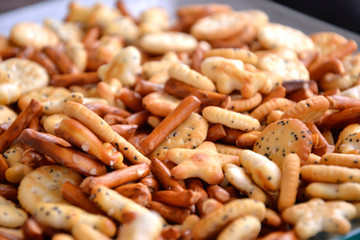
{"points": [[343, 13]]}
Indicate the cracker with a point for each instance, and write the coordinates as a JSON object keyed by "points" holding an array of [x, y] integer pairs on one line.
{"points": [[122, 26], [189, 134], [160, 104], [154, 19], [183, 73], [31, 34], [9, 93], [328, 42], [203, 162], [283, 137], [25, 74], [64, 216], [162, 42], [247, 227], [308, 110], [241, 181], [77, 53], [150, 68], [264, 109], [230, 119], [349, 140], [66, 31], [11, 216], [50, 123], [266, 174], [274, 35], [230, 75], [44, 185], [211, 224], [123, 66], [7, 115], [233, 53], [331, 191]]}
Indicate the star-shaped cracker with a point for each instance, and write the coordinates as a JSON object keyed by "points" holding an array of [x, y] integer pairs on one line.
{"points": [[203, 162]]}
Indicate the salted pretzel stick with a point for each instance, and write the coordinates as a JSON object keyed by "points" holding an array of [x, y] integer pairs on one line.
{"points": [[323, 146], [218, 193], [248, 139], [231, 135], [145, 87], [120, 5], [80, 136], [151, 183], [3, 167], [102, 109], [197, 57], [184, 198], [45, 61], [333, 65], [30, 111], [207, 98], [170, 122], [68, 157], [340, 119], [342, 102], [8, 52], [32, 229], [125, 130], [137, 192], [131, 99], [163, 175], [34, 124], [216, 133], [75, 196], [116, 178], [91, 36], [9, 192], [294, 85], [278, 92], [62, 62], [65, 80], [170, 213], [138, 118], [35, 159]]}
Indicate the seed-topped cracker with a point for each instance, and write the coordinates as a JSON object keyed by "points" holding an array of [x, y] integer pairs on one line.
{"points": [[283, 137]]}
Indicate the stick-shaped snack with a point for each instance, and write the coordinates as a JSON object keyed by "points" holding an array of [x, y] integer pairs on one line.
{"points": [[331, 191], [116, 178], [218, 193], [75, 196], [280, 235], [264, 109], [130, 98], [163, 175], [125, 130], [97, 125], [289, 181], [339, 159], [182, 111], [137, 192], [79, 135], [342, 102], [65, 216], [32, 229], [316, 216], [183, 199], [247, 140], [265, 173], [145, 87], [8, 191], [170, 213], [103, 109], [215, 221], [239, 179], [208, 206], [247, 227], [216, 133], [272, 218], [3, 167], [329, 174], [83, 231], [11, 216], [144, 225], [207, 98], [61, 60], [15, 129], [245, 104], [65, 80], [68, 157], [340, 119]]}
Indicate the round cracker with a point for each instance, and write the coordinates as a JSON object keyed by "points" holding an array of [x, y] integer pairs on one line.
{"points": [[6, 115], [27, 75], [44, 185], [283, 137]]}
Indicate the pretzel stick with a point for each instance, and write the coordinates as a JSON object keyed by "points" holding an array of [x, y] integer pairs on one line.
{"points": [[294, 85], [197, 57], [207, 98], [26, 52], [42, 59], [247, 140], [9, 192], [67, 157], [80, 136], [170, 122], [144, 87], [184, 198], [30, 111], [131, 99], [116, 178], [65, 80], [333, 65], [8, 52], [151, 183], [34, 159], [75, 196], [278, 92], [163, 175], [340, 119], [208, 206], [34, 124], [218, 193], [172, 233], [137, 192], [300, 95], [62, 61], [102, 109], [342, 102], [323, 146], [3, 167], [216, 133], [91, 36], [231, 135], [139, 118], [112, 119], [11, 234], [32, 230], [125, 130], [122, 8], [170, 213]]}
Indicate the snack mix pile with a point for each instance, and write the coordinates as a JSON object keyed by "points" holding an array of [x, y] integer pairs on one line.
{"points": [[221, 125]]}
